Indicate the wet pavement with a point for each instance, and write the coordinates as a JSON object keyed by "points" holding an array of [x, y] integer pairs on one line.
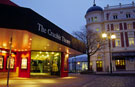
{"points": [[74, 80]]}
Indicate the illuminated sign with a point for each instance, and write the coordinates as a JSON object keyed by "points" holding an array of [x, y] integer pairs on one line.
{"points": [[52, 34], [24, 63], [1, 62]]}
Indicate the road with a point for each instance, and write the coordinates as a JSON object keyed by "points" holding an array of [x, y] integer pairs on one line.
{"points": [[74, 80]]}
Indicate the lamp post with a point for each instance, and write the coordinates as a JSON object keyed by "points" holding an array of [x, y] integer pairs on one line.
{"points": [[109, 37]]}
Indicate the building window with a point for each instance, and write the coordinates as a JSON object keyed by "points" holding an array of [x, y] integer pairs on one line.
{"points": [[95, 19], [118, 42], [129, 26], [88, 19], [92, 19], [128, 15], [115, 16], [116, 27], [119, 62], [131, 41]]}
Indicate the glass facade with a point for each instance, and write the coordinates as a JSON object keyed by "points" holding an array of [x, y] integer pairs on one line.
{"points": [[45, 63]]}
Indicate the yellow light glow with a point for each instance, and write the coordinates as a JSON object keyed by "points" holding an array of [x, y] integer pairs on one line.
{"points": [[3, 51], [104, 35], [52, 52], [30, 38], [25, 49], [113, 36], [15, 49], [78, 63], [46, 52], [40, 52], [4, 44], [48, 45]]}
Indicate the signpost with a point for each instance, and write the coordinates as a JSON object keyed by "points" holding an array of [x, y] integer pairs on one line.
{"points": [[9, 61]]}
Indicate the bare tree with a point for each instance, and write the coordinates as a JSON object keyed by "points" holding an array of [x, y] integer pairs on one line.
{"points": [[92, 40]]}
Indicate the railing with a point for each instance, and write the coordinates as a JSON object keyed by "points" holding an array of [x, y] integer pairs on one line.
{"points": [[119, 6]]}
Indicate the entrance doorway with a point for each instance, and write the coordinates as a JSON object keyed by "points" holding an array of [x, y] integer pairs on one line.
{"points": [[99, 65], [45, 63]]}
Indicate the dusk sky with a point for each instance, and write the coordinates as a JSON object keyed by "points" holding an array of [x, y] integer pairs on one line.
{"points": [[67, 14]]}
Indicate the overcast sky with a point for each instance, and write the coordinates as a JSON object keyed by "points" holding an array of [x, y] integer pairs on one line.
{"points": [[67, 14]]}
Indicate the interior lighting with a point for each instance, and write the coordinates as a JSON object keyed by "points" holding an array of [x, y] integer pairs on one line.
{"points": [[29, 43], [46, 52], [37, 54], [40, 52], [52, 52], [15, 49], [48, 45], [25, 49]]}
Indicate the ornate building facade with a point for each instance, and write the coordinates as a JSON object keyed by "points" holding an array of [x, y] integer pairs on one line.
{"points": [[118, 20]]}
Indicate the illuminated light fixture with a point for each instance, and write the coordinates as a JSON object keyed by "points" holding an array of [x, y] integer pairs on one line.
{"points": [[52, 52], [44, 47], [46, 52], [29, 43], [104, 35], [78, 63], [47, 55], [25, 49], [59, 48], [42, 55], [30, 38], [3, 51], [48, 63], [40, 52], [37, 54], [67, 50], [48, 45], [22, 50], [28, 46], [4, 44], [113, 36], [19, 50], [15, 49]]}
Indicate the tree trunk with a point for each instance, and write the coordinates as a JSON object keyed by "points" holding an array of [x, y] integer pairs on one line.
{"points": [[88, 61]]}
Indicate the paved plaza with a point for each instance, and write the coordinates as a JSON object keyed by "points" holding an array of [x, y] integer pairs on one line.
{"points": [[74, 80]]}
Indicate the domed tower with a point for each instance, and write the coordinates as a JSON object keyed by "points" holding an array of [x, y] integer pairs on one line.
{"points": [[94, 18], [94, 21]]}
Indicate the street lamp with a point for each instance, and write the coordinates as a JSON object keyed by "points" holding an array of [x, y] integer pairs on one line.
{"points": [[109, 37]]}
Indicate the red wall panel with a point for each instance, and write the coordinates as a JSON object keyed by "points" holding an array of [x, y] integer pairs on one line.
{"points": [[24, 72]]}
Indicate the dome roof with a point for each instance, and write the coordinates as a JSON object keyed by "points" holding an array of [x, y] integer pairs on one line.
{"points": [[94, 8]]}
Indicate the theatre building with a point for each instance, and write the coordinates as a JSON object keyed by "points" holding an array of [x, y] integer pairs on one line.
{"points": [[38, 47]]}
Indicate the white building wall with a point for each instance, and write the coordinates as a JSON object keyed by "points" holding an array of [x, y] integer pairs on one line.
{"points": [[102, 24]]}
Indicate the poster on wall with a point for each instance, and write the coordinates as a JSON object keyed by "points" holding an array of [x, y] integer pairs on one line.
{"points": [[24, 63], [1, 62], [12, 62]]}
